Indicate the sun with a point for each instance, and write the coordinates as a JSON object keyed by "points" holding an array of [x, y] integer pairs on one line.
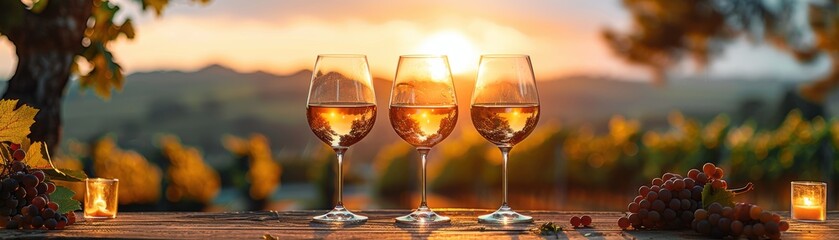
{"points": [[462, 53]]}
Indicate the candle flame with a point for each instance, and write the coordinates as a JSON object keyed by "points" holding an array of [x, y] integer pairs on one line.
{"points": [[808, 202]]}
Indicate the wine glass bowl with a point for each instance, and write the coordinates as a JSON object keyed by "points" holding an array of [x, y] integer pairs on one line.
{"points": [[505, 110], [341, 110], [423, 112]]}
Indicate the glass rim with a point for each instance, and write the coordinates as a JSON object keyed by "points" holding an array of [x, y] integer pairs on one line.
{"points": [[101, 179], [812, 183], [504, 55], [424, 56], [342, 55]]}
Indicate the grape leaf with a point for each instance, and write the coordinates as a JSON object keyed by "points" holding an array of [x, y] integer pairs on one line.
{"points": [[724, 197], [64, 198], [35, 156], [15, 123]]}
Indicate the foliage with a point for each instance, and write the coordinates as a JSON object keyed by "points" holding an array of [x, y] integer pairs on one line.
{"points": [[263, 171], [574, 159], [103, 73], [132, 169], [665, 32], [189, 178], [15, 123]]}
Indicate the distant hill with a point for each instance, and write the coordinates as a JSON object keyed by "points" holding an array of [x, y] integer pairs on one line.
{"points": [[204, 105]]}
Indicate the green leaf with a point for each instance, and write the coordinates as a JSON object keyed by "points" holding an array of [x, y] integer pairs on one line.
{"points": [[724, 197], [64, 198], [67, 175]]}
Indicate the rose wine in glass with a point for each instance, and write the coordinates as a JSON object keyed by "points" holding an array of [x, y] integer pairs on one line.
{"points": [[505, 109], [423, 112], [341, 110]]}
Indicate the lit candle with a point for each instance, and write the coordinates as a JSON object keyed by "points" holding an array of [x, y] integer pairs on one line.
{"points": [[809, 201], [100, 199]]}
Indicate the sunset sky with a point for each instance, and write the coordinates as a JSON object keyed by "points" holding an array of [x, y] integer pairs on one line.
{"points": [[562, 37]]}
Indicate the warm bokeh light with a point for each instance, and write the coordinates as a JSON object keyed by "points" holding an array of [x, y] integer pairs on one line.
{"points": [[462, 53]]}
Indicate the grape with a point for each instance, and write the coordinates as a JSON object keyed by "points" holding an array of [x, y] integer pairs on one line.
{"points": [[643, 190], [765, 217], [623, 222], [675, 204], [9, 184], [585, 220], [652, 196], [634, 219], [689, 183], [715, 208], [575, 221], [50, 187], [783, 226], [30, 180], [709, 169], [37, 222], [657, 181], [714, 218], [61, 225], [644, 203], [14, 146], [39, 202], [638, 199], [39, 174], [50, 223], [42, 187], [758, 229], [48, 213], [728, 212], [700, 214], [754, 212], [20, 193], [53, 206], [654, 216], [718, 173], [658, 205], [736, 227], [665, 195], [668, 214], [692, 173], [685, 194], [724, 224], [19, 155], [687, 205], [678, 184], [668, 184], [655, 188], [701, 179], [31, 192]]}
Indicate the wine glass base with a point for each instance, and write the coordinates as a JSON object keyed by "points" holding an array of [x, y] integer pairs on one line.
{"points": [[339, 216], [423, 217], [505, 216]]}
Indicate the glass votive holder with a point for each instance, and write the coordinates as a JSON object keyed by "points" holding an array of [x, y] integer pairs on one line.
{"points": [[808, 201], [100, 199]]}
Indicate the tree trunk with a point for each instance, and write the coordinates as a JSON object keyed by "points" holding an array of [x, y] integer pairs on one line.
{"points": [[46, 44]]}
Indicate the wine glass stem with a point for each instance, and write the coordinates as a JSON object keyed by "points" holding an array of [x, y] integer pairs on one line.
{"points": [[505, 151], [340, 152], [423, 152]]}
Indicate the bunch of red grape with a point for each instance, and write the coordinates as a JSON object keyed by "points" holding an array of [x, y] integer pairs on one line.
{"points": [[743, 220], [24, 196], [668, 203]]}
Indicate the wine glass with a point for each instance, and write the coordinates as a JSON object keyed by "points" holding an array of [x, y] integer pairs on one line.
{"points": [[505, 109], [423, 112], [341, 110]]}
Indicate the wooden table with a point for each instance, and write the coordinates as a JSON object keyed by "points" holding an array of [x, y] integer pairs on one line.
{"points": [[296, 225]]}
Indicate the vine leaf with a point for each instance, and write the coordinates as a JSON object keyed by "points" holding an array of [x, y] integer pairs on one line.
{"points": [[35, 156], [15, 123], [723, 197], [64, 198]]}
